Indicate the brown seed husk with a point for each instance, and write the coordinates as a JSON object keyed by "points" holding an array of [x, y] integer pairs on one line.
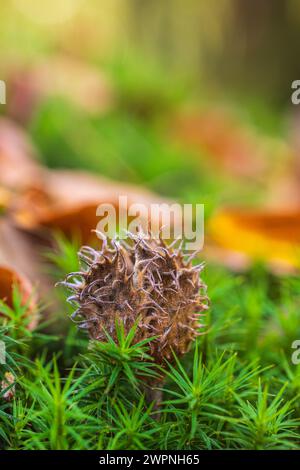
{"points": [[146, 282]]}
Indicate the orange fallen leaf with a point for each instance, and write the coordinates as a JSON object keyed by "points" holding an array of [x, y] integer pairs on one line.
{"points": [[20, 264], [230, 146], [269, 236], [10, 278]]}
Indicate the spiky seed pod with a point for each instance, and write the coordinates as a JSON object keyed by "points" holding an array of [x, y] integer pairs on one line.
{"points": [[146, 282]]}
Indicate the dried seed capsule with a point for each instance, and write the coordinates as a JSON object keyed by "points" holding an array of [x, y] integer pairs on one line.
{"points": [[147, 282]]}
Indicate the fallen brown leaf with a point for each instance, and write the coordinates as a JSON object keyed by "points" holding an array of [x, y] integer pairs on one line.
{"points": [[283, 182], [230, 146], [69, 201]]}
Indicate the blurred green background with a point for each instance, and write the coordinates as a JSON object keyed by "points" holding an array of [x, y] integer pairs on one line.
{"points": [[195, 98]]}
